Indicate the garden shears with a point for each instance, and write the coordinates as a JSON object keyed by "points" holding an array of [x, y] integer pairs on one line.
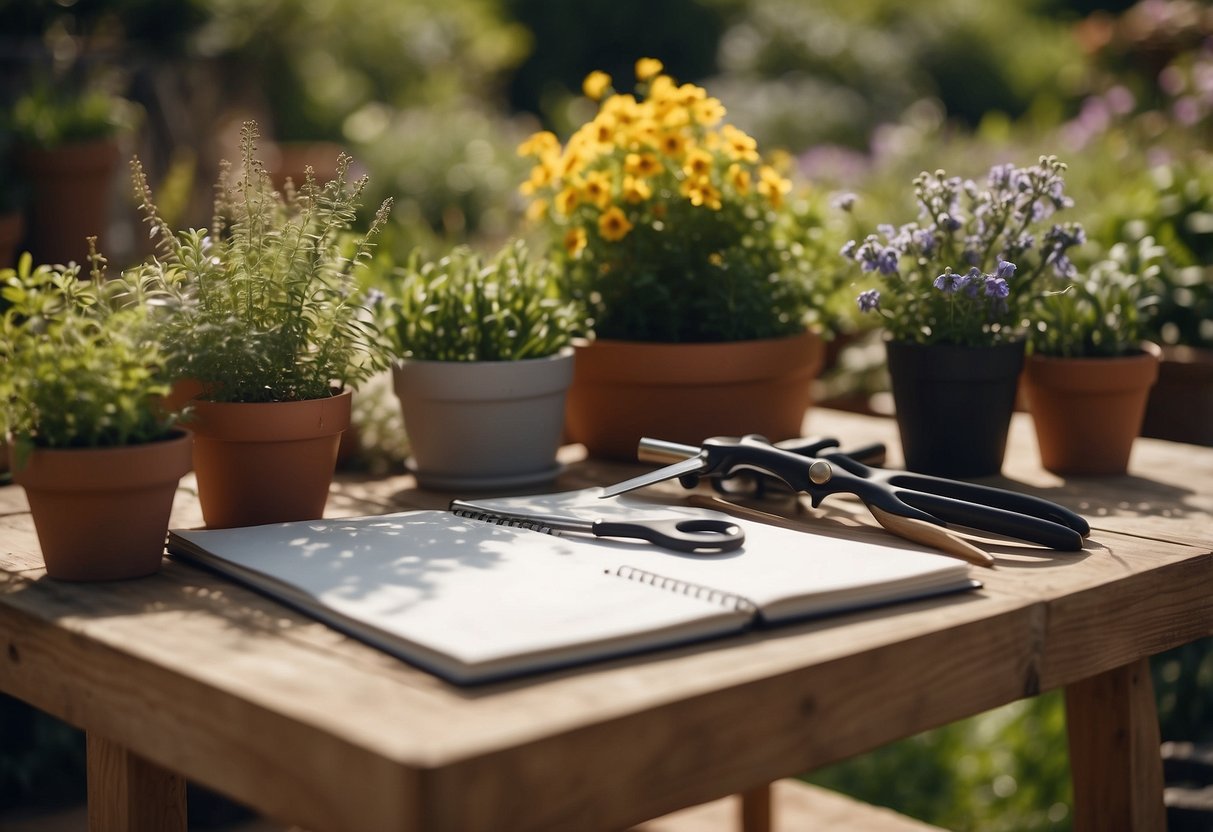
{"points": [[915, 506]]}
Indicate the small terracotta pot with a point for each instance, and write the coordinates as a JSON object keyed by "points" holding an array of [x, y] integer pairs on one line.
{"points": [[266, 462], [102, 514], [70, 195], [1088, 411], [625, 390], [1180, 407]]}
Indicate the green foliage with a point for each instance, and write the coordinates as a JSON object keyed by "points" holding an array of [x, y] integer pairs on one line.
{"points": [[1170, 202], [264, 306], [461, 308], [1104, 313], [1003, 771], [51, 115], [81, 371]]}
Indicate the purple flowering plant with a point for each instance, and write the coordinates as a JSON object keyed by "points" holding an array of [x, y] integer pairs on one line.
{"points": [[965, 271]]}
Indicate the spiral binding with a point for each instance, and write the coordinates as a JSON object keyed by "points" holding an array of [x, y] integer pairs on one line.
{"points": [[728, 600], [498, 520]]}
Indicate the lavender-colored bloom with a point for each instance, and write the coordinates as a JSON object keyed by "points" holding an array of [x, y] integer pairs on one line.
{"points": [[949, 223], [869, 301], [374, 297], [996, 287], [972, 282], [886, 261], [950, 282], [925, 240], [1005, 271], [848, 250], [844, 201]]}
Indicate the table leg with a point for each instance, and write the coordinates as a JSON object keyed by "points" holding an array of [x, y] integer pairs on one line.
{"points": [[1115, 761], [127, 793], [756, 809]]}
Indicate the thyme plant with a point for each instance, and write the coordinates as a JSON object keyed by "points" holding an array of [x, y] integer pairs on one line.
{"points": [[81, 371], [264, 305], [464, 308]]}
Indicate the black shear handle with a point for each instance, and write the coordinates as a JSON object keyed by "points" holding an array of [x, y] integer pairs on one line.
{"points": [[997, 520], [1011, 501]]}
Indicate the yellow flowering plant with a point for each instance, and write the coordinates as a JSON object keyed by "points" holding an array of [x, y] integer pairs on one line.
{"points": [[668, 223]]}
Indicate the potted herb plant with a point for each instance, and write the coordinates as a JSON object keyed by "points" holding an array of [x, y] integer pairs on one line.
{"points": [[67, 151], [263, 314], [1089, 373], [677, 236], [96, 451], [484, 363], [951, 289]]}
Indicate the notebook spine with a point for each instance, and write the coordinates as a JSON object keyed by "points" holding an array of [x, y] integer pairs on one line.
{"points": [[727, 600], [504, 520]]}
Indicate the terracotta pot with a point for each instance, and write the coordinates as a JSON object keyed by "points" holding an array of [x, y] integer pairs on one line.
{"points": [[12, 226], [1180, 407], [625, 390], [266, 462], [102, 514], [70, 198], [954, 405], [1088, 411], [483, 424]]}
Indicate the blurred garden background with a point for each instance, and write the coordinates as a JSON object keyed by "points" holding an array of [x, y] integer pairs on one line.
{"points": [[855, 97]]}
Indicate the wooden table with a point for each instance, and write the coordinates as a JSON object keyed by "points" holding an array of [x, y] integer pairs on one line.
{"points": [[186, 674]]}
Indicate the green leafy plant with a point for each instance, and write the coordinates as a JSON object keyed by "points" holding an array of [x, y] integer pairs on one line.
{"points": [[464, 308], [668, 223], [80, 369], [1105, 313], [50, 115], [264, 306]]}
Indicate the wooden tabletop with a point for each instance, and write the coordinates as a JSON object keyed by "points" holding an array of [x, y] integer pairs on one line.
{"points": [[195, 675]]}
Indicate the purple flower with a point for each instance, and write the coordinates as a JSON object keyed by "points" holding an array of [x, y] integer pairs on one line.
{"points": [[869, 301], [1006, 270], [844, 201], [996, 287], [950, 281]]}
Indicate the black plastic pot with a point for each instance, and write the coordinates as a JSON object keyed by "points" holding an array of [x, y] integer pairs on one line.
{"points": [[954, 405]]}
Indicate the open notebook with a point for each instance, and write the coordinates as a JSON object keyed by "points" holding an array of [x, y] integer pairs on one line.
{"points": [[473, 601]]}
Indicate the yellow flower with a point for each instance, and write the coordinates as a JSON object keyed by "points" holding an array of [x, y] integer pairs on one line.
{"points": [[642, 164], [566, 201], [662, 89], [716, 258], [708, 112], [537, 210], [636, 190], [613, 225], [646, 68], [688, 94], [772, 185], [672, 143], [596, 84], [574, 241], [738, 144], [597, 188], [622, 108], [740, 177], [701, 193], [698, 163], [604, 129], [540, 175], [539, 144]]}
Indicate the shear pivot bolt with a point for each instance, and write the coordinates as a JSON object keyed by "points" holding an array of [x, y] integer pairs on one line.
{"points": [[820, 472]]}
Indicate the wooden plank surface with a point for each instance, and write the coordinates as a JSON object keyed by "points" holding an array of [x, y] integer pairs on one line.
{"points": [[205, 678], [126, 793]]}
